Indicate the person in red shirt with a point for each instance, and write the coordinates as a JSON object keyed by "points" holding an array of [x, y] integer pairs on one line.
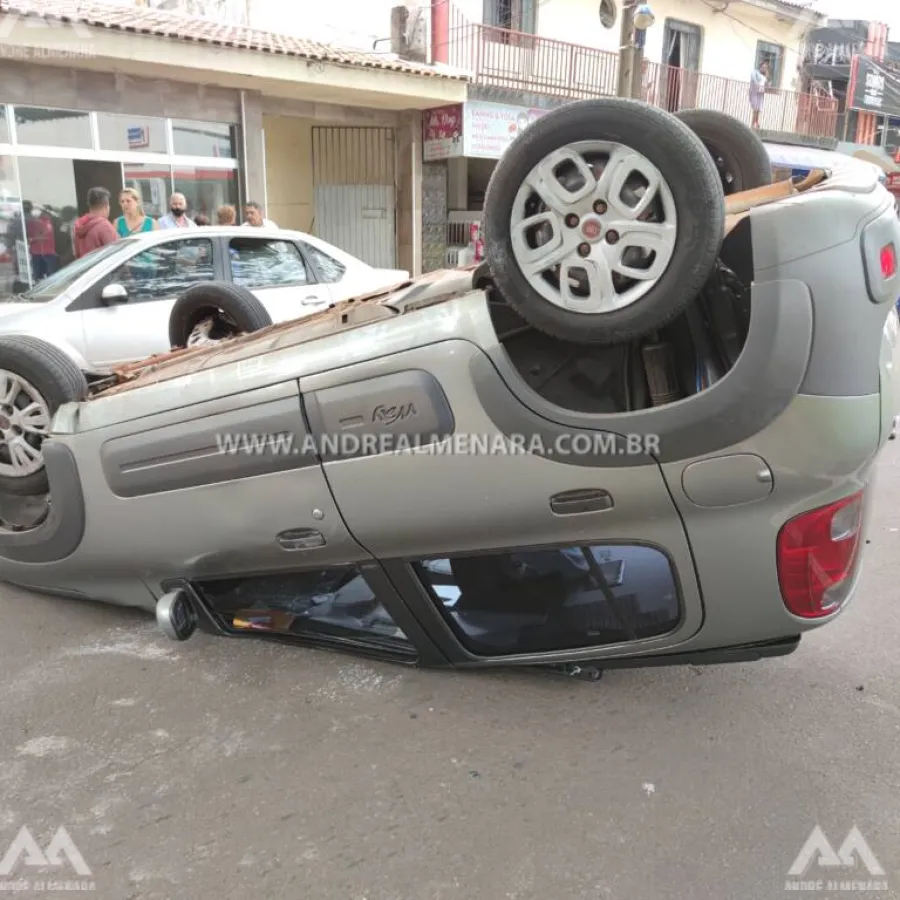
{"points": [[94, 230], [41, 242]]}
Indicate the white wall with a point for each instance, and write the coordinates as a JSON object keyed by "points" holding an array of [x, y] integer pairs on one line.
{"points": [[349, 23], [728, 45]]}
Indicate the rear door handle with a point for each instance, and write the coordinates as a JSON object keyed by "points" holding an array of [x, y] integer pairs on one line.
{"points": [[584, 500]]}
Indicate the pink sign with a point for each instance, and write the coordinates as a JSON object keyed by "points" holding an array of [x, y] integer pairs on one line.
{"points": [[442, 132]]}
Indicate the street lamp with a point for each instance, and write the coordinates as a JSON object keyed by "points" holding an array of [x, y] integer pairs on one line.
{"points": [[643, 17]]}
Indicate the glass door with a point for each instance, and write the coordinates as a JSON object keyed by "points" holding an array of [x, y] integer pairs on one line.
{"points": [[54, 195], [15, 275]]}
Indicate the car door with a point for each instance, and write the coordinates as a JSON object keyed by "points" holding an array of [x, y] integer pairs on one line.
{"points": [[153, 279], [275, 271]]}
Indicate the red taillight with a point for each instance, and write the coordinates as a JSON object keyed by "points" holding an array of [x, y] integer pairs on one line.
{"points": [[888, 261], [816, 556]]}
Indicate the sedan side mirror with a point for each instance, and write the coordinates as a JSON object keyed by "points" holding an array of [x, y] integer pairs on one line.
{"points": [[114, 293]]}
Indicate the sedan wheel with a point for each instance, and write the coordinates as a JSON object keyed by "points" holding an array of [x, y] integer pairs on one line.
{"points": [[36, 379], [24, 423]]}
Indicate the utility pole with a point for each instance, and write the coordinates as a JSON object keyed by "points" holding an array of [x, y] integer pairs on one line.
{"points": [[631, 54], [627, 51]]}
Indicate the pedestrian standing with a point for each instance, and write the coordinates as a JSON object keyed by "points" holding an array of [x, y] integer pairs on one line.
{"points": [[759, 80], [93, 230], [177, 216], [253, 216], [133, 219]]}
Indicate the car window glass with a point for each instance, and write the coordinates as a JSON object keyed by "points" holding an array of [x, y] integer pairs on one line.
{"points": [[330, 269], [564, 598], [166, 270], [335, 602], [53, 285], [266, 262]]}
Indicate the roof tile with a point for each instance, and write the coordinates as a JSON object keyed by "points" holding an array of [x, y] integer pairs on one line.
{"points": [[162, 23]]}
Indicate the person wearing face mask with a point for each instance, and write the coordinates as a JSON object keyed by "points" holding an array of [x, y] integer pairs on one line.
{"points": [[177, 215]]}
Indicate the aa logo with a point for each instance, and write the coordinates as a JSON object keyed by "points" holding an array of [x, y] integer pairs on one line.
{"points": [[60, 846], [819, 850]]}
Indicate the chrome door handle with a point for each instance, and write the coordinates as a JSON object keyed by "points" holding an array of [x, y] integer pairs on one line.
{"points": [[311, 301]]}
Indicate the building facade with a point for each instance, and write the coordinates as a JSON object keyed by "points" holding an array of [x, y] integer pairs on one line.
{"points": [[526, 57], [328, 141]]}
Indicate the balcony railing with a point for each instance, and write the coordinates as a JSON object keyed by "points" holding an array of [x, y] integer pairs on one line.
{"points": [[791, 112], [500, 58]]}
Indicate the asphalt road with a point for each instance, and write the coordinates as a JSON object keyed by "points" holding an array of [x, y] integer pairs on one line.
{"points": [[223, 769]]}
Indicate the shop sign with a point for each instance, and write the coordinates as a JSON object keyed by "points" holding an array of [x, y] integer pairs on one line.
{"points": [[873, 88], [474, 129], [443, 129], [490, 128]]}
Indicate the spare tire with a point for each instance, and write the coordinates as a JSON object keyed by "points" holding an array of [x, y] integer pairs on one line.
{"points": [[36, 378], [738, 153], [232, 307], [603, 220]]}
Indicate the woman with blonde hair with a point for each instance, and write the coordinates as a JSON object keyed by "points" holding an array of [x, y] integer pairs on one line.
{"points": [[133, 220]]}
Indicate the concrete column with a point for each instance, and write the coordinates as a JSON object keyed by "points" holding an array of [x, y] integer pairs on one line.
{"points": [[458, 184], [409, 193], [252, 150], [440, 31]]}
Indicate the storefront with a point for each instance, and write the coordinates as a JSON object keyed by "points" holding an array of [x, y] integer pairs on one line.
{"points": [[461, 144], [50, 159]]}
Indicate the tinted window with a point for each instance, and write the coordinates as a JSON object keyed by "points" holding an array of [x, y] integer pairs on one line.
{"points": [[327, 602], [4, 127], [266, 262], [165, 270], [53, 127], [192, 138], [556, 599], [330, 269], [139, 133]]}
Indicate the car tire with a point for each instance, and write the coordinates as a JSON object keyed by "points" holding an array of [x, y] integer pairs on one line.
{"points": [[39, 373], [738, 153], [241, 309], [685, 189]]}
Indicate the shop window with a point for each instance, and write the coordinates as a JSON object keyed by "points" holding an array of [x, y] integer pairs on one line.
{"points": [[337, 603], [53, 127], [166, 270], [206, 189], [330, 269], [13, 250], [137, 133], [49, 209], [773, 54], [190, 138], [536, 601], [266, 262], [4, 126], [153, 181]]}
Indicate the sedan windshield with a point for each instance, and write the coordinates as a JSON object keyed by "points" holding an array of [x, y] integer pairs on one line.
{"points": [[52, 286]]}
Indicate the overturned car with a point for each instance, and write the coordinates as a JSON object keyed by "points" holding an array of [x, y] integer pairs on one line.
{"points": [[643, 433]]}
